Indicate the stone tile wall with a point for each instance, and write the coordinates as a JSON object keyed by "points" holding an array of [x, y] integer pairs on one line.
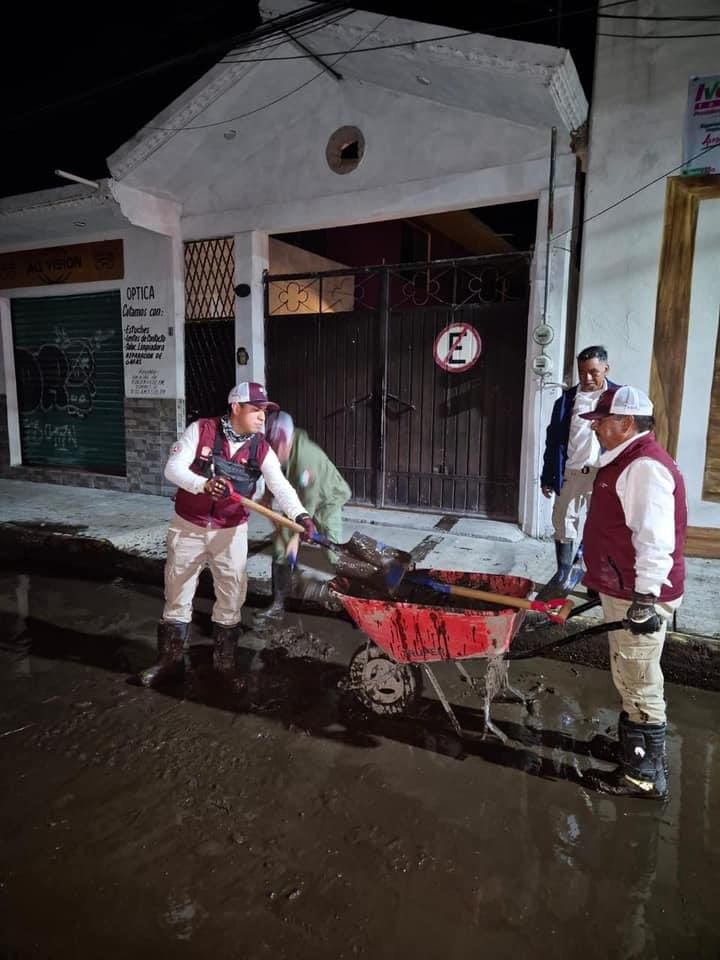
{"points": [[150, 431]]}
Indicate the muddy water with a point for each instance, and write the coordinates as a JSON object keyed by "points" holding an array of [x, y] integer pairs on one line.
{"points": [[189, 824]]}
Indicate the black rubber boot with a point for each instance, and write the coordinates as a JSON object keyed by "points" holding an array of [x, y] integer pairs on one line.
{"points": [[281, 586], [170, 664], [564, 555], [318, 592], [604, 748], [643, 770], [226, 639], [557, 584]]}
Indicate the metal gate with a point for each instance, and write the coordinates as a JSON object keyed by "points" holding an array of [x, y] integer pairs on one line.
{"points": [[350, 353], [209, 326]]}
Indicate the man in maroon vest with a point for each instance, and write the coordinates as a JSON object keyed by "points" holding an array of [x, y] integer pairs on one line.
{"points": [[210, 529], [634, 539]]}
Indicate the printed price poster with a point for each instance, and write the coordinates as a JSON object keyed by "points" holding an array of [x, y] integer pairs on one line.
{"points": [[147, 352], [701, 141]]}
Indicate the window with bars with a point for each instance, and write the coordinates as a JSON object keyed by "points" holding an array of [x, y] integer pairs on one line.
{"points": [[209, 327], [209, 293]]}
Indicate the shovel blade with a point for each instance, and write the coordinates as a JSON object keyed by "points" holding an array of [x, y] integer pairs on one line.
{"points": [[378, 554]]}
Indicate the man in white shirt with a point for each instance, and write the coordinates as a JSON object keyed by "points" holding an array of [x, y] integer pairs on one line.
{"points": [[633, 550], [571, 455], [210, 528]]}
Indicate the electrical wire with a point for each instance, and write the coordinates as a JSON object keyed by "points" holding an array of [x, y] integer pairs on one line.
{"points": [[285, 96], [658, 36], [301, 31], [435, 39], [629, 196], [15, 119], [637, 16]]}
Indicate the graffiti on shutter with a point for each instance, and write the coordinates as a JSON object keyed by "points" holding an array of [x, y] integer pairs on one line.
{"points": [[69, 375]]}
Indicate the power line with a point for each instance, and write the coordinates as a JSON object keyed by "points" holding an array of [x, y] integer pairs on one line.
{"points": [[265, 106], [629, 196], [435, 39], [317, 22], [658, 36], [637, 16], [308, 26], [340, 54]]}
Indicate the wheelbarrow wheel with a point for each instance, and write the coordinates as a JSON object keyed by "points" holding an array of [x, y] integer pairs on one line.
{"points": [[380, 684]]}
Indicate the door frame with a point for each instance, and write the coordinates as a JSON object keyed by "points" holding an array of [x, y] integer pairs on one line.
{"points": [[672, 322]]}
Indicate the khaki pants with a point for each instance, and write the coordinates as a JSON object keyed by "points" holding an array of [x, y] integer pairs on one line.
{"points": [[573, 499], [635, 662], [224, 552]]}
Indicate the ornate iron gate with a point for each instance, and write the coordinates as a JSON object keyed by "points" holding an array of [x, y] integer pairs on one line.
{"points": [[350, 353], [209, 326]]}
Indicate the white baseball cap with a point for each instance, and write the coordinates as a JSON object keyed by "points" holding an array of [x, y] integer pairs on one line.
{"points": [[623, 402], [254, 393]]}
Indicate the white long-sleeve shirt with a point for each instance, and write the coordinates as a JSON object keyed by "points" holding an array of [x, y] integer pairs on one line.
{"points": [[182, 455], [583, 446], [646, 491]]}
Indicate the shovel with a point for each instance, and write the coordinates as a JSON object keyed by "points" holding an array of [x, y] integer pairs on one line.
{"points": [[361, 557], [557, 609]]}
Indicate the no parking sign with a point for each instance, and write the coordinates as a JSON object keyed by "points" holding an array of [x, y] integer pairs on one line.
{"points": [[457, 348]]}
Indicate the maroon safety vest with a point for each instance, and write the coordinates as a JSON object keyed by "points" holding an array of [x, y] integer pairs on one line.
{"points": [[200, 508], [607, 542]]}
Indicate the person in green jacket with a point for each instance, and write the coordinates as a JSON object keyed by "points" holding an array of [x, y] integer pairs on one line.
{"points": [[313, 474]]}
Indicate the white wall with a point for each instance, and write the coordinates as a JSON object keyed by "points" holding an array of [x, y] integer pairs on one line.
{"points": [[636, 135], [700, 364]]}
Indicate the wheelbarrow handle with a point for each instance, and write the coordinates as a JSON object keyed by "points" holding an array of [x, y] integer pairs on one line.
{"points": [[273, 515]]}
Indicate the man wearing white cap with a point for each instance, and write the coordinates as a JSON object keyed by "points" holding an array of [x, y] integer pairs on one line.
{"points": [[210, 529], [634, 539]]}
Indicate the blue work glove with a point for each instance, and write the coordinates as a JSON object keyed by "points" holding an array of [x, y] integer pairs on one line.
{"points": [[306, 521], [642, 616]]}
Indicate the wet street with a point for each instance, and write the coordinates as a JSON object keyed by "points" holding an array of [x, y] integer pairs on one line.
{"points": [[195, 822]]}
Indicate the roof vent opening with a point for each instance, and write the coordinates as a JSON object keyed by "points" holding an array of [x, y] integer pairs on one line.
{"points": [[345, 150]]}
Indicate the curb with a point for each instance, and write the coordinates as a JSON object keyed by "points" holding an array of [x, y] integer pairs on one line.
{"points": [[687, 659]]}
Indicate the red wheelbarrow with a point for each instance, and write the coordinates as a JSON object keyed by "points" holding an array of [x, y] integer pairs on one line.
{"points": [[409, 632]]}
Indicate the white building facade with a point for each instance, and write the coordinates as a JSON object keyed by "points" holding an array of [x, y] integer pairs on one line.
{"points": [[649, 282], [444, 125]]}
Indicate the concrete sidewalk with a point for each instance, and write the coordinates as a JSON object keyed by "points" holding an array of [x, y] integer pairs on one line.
{"points": [[89, 528]]}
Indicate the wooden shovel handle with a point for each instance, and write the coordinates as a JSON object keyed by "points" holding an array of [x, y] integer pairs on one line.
{"points": [[564, 612], [518, 602], [558, 615], [267, 512]]}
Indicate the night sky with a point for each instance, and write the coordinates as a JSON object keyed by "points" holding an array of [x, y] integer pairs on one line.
{"points": [[78, 85]]}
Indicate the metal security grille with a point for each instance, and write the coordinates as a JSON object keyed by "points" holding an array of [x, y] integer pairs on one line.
{"points": [[209, 326], [350, 353], [209, 293], [69, 370]]}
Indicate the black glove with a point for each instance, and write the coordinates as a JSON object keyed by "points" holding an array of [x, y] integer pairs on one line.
{"points": [[311, 531], [642, 616]]}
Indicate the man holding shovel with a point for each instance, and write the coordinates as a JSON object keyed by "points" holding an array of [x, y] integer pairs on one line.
{"points": [[324, 491], [210, 528]]}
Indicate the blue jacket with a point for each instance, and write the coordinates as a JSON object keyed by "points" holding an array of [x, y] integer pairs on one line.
{"points": [[556, 439]]}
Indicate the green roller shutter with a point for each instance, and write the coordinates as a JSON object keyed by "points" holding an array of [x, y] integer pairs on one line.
{"points": [[69, 372]]}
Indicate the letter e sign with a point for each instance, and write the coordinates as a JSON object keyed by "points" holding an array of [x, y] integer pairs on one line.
{"points": [[457, 348]]}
